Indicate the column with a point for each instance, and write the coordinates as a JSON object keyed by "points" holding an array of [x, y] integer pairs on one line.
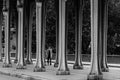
{"points": [[21, 63], [16, 55], [62, 67], [44, 32], [6, 13], [104, 65], [29, 10], [95, 72], [1, 20], [78, 36], [57, 33], [39, 67]]}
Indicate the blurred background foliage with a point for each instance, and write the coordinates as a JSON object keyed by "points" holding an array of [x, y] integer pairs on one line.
{"points": [[113, 30], [51, 17]]}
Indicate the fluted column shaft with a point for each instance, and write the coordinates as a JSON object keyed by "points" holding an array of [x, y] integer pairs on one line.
{"points": [[39, 67], [104, 31], [57, 34], [44, 31], [62, 67], [21, 63], [30, 37], [1, 20], [6, 14], [29, 11], [16, 55], [78, 35], [95, 73]]}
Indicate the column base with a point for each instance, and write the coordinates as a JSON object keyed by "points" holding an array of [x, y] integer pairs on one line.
{"points": [[60, 72], [56, 64], [95, 76], [39, 69], [77, 66], [15, 61], [7, 65], [29, 62], [19, 66], [105, 69]]}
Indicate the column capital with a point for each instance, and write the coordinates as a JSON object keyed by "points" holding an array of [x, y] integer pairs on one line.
{"points": [[20, 3], [5, 12], [5, 6], [39, 4], [19, 9]]}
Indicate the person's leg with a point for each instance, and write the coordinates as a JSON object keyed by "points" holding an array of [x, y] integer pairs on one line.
{"points": [[50, 61]]}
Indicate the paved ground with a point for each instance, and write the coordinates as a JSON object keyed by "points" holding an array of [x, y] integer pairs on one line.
{"points": [[50, 74], [4, 77]]}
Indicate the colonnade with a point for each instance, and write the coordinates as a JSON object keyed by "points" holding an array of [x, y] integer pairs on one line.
{"points": [[99, 25]]}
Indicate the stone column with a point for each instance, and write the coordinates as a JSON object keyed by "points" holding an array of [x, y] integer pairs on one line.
{"points": [[29, 35], [21, 63], [16, 55], [95, 73], [78, 35], [1, 20], [44, 32], [104, 66], [57, 33], [6, 13], [39, 67], [62, 67]]}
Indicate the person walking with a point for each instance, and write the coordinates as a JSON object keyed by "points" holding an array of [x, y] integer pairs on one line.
{"points": [[49, 55]]}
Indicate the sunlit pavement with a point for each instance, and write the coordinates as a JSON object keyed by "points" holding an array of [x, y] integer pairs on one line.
{"points": [[50, 74], [4, 77]]}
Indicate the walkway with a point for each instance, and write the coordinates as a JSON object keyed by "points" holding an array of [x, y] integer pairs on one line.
{"points": [[4, 77], [50, 74]]}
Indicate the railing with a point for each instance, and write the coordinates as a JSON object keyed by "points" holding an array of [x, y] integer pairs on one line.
{"points": [[112, 59]]}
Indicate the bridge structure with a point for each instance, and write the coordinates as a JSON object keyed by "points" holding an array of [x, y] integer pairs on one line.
{"points": [[23, 10]]}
